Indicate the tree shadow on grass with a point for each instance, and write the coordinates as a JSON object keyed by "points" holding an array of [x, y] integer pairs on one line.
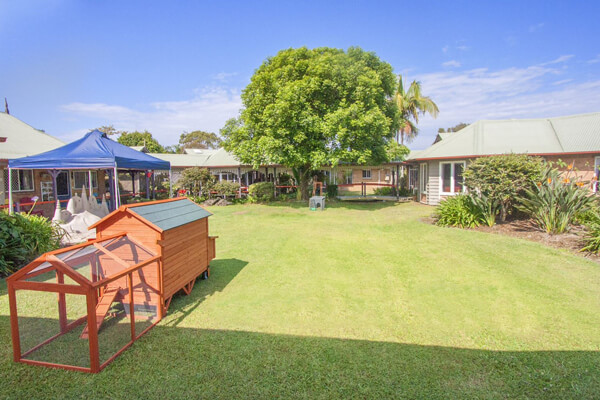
{"points": [[221, 273], [176, 362]]}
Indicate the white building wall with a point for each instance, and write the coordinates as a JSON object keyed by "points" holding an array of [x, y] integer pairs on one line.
{"points": [[433, 194]]}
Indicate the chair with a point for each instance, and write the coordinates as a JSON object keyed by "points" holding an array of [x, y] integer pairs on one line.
{"points": [[27, 208]]}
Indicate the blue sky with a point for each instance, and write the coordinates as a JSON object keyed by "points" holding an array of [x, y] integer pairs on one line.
{"points": [[168, 67]]}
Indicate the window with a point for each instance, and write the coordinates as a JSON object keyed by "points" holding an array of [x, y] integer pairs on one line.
{"points": [[424, 177], [227, 176], [22, 180], [348, 176], [366, 174], [451, 175], [81, 178]]}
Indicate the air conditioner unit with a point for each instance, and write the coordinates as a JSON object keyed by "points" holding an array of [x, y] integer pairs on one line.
{"points": [[317, 203]]}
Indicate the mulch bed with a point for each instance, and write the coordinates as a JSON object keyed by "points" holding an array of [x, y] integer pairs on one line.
{"points": [[526, 229]]}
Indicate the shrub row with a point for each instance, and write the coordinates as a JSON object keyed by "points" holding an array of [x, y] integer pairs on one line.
{"points": [[500, 185], [24, 237]]}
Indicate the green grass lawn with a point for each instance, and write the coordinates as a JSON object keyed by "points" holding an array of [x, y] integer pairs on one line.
{"points": [[358, 301]]}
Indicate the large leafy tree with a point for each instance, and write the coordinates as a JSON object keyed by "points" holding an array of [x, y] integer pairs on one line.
{"points": [[411, 103], [141, 139], [199, 140], [305, 108]]}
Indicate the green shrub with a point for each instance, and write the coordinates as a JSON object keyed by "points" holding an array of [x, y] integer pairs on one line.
{"points": [[137, 199], [197, 180], [24, 237], [591, 220], [503, 178], [555, 201], [197, 199], [285, 179], [261, 192], [405, 192], [332, 191], [592, 239], [487, 208], [226, 188], [384, 191], [589, 217], [458, 211]]}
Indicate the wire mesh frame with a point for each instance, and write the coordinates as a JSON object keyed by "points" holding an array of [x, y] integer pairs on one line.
{"points": [[22, 180], [90, 289]]}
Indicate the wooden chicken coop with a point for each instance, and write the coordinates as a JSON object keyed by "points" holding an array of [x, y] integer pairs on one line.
{"points": [[176, 229], [111, 290]]}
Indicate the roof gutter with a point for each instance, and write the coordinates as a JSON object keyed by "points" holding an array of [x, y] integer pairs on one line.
{"points": [[500, 154]]}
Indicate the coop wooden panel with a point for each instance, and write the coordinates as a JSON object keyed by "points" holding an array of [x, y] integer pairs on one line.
{"points": [[123, 222], [184, 255]]}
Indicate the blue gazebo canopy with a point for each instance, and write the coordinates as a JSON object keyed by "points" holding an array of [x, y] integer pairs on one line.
{"points": [[94, 151]]}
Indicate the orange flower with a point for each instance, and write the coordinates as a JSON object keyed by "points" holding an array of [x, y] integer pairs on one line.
{"points": [[539, 184], [570, 166], [580, 184], [566, 180], [549, 180]]}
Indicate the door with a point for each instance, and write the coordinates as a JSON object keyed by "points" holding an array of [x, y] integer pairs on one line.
{"points": [[63, 185], [423, 183]]}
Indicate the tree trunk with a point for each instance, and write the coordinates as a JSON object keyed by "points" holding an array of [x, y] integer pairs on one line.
{"points": [[503, 212], [302, 175]]}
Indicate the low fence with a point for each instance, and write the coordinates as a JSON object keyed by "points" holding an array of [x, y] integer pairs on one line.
{"points": [[366, 189]]}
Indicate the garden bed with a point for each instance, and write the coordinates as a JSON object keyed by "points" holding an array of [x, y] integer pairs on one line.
{"points": [[526, 229]]}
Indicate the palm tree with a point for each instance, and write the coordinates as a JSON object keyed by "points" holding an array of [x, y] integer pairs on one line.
{"points": [[412, 103]]}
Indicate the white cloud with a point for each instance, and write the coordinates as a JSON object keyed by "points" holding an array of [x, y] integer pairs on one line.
{"points": [[445, 49], [562, 82], [536, 27], [208, 111], [224, 76], [559, 60], [594, 60], [451, 63], [462, 48], [529, 92]]}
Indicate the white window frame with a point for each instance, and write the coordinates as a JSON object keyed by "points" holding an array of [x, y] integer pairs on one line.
{"points": [[423, 177], [413, 175], [369, 174], [348, 176], [16, 177], [452, 183], [87, 178]]}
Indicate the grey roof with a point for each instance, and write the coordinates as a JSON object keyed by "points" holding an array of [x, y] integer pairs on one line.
{"points": [[182, 160], [171, 214], [221, 158], [199, 151], [205, 158], [23, 140], [414, 154], [570, 134]]}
